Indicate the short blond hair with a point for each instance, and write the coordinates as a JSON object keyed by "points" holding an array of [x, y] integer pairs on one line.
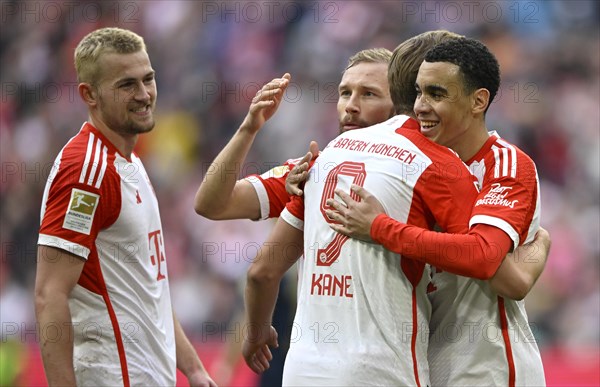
{"points": [[370, 55], [102, 41], [404, 67]]}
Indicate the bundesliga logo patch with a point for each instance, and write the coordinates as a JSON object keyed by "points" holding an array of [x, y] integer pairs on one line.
{"points": [[276, 172], [80, 214]]}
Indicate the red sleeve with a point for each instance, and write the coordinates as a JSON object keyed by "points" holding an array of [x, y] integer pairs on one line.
{"points": [[477, 254], [278, 196], [66, 222], [509, 202], [274, 183], [446, 191], [296, 207]]}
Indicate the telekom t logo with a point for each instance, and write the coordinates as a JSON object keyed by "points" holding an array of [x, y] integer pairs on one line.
{"points": [[157, 254]]}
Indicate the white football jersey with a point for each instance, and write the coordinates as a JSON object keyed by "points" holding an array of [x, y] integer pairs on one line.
{"points": [[101, 207], [477, 337], [363, 313]]}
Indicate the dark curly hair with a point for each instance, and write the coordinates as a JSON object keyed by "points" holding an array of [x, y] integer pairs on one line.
{"points": [[478, 66]]}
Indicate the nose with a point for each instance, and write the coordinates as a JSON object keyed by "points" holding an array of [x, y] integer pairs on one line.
{"points": [[353, 105], [421, 105], [142, 92]]}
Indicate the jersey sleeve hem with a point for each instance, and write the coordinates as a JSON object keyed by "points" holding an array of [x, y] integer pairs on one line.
{"points": [[497, 222], [263, 197], [63, 244], [292, 220]]}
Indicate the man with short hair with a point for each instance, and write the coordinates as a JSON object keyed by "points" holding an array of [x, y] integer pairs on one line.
{"points": [[102, 276]]}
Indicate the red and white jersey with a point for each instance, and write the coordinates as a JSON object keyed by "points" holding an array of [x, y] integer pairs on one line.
{"points": [[270, 189], [477, 337], [100, 206], [363, 312]]}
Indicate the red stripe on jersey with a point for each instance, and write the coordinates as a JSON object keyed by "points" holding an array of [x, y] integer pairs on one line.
{"points": [[506, 337], [92, 279], [413, 342], [118, 339], [413, 270]]}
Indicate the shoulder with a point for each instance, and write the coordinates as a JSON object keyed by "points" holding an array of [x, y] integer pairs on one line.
{"points": [[86, 161], [508, 160]]}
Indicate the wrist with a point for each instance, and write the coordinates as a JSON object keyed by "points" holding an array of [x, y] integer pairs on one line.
{"points": [[248, 128], [375, 227]]}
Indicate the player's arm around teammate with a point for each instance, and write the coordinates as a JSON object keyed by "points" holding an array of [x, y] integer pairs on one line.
{"points": [[514, 278]]}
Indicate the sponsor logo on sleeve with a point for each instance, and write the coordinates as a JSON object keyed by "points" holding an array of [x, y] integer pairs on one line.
{"points": [[497, 197], [81, 210], [276, 172]]}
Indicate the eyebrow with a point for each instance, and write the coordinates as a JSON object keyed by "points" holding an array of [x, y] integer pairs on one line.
{"points": [[129, 79], [363, 86], [433, 89]]}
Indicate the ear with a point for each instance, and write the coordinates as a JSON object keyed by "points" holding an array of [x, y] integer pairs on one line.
{"points": [[88, 94], [480, 101]]}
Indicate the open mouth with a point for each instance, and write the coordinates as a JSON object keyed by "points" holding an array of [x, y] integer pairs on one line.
{"points": [[141, 111], [428, 126]]}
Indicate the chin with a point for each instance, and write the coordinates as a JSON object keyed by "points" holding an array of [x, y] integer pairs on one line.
{"points": [[141, 128]]}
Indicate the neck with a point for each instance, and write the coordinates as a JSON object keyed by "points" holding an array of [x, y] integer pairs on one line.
{"points": [[123, 143], [471, 142]]}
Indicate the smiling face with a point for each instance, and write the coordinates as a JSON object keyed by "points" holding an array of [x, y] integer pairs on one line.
{"points": [[126, 93], [443, 107], [364, 96]]}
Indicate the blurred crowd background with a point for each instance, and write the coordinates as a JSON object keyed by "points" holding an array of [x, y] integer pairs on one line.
{"points": [[210, 59]]}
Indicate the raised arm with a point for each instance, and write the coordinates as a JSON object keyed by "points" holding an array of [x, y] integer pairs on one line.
{"points": [[520, 269], [281, 250], [221, 195], [57, 274]]}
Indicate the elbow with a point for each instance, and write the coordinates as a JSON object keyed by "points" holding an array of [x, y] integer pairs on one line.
{"points": [[518, 289], [515, 289], [513, 294], [261, 275], [41, 299], [206, 210], [203, 211]]}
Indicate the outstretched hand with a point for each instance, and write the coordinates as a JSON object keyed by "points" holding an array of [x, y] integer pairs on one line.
{"points": [[299, 173], [355, 214], [266, 102], [256, 351]]}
